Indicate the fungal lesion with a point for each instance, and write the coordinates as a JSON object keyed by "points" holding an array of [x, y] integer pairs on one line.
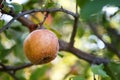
{"points": [[46, 59]]}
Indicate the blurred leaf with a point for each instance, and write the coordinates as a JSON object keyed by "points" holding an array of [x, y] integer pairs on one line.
{"points": [[98, 69], [56, 32], [106, 78], [82, 2], [93, 7], [16, 7], [80, 31], [5, 76], [19, 53], [4, 60], [31, 3], [60, 54], [113, 70], [1, 46], [4, 53], [38, 73], [20, 75], [18, 46], [2, 22], [6, 7], [77, 78], [50, 4]]}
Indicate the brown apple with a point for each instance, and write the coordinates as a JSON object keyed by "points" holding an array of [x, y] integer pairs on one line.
{"points": [[41, 46]]}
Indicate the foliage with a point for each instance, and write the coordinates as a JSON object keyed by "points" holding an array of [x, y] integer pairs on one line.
{"points": [[97, 34], [98, 69]]}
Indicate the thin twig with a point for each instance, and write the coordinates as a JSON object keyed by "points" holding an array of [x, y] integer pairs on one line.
{"points": [[45, 17], [15, 68], [73, 31], [36, 10], [74, 27]]}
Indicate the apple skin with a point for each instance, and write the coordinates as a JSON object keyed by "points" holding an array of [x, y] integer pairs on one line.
{"points": [[41, 46]]}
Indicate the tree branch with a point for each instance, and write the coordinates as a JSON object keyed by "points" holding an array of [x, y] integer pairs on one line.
{"points": [[36, 10], [109, 46], [74, 31], [15, 68], [82, 55], [45, 17], [64, 46]]}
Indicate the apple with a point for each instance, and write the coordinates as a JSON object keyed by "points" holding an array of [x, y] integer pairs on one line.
{"points": [[41, 46]]}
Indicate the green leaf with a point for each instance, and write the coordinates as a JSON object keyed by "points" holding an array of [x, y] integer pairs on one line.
{"points": [[82, 2], [61, 55], [90, 8], [1, 46], [6, 8], [2, 22], [80, 31], [4, 76], [16, 7], [4, 60], [4, 53], [113, 70], [98, 69], [38, 73], [50, 4], [20, 75], [18, 52], [77, 78], [56, 32]]}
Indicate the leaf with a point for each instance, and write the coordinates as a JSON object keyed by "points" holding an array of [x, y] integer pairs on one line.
{"points": [[4, 76], [18, 52], [77, 78], [56, 32], [80, 31], [82, 2], [1, 46], [2, 22], [4, 60], [113, 70], [90, 8], [60, 55], [38, 73], [20, 74], [50, 4], [4, 53], [6, 8], [16, 7], [98, 69]]}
